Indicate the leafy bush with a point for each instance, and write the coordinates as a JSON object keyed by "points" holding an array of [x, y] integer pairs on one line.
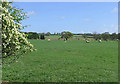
{"points": [[42, 36], [33, 35], [13, 41]]}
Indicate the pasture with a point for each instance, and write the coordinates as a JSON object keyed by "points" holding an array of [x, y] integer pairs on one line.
{"points": [[73, 61]]}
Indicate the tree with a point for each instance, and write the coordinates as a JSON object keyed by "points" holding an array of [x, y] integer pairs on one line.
{"points": [[14, 42], [84, 36], [48, 34], [33, 35], [66, 34], [54, 33], [105, 36], [42, 36], [113, 36], [96, 36]]}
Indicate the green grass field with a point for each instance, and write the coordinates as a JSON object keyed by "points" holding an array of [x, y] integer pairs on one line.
{"points": [[73, 61], [53, 37]]}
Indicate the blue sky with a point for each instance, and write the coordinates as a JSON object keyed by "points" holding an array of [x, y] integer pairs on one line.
{"points": [[76, 17]]}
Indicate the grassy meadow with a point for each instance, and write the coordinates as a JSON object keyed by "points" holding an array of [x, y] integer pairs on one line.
{"points": [[71, 61]]}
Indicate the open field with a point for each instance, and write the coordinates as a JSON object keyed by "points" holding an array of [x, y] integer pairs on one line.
{"points": [[53, 37], [73, 61], [75, 37]]}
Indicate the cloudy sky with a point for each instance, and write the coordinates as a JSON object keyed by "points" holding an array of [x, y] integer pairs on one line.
{"points": [[76, 17]]}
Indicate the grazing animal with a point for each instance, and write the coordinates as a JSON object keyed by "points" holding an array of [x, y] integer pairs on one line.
{"points": [[87, 41], [99, 41], [117, 39], [64, 39], [48, 40]]}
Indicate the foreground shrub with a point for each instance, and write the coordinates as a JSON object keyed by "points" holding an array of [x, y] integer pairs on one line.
{"points": [[13, 41]]}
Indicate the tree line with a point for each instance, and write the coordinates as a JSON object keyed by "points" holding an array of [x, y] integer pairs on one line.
{"points": [[66, 34], [104, 36]]}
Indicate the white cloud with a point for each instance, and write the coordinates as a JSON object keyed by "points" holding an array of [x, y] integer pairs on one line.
{"points": [[110, 28], [114, 10], [62, 17], [112, 25], [116, 28], [86, 19], [30, 13], [66, 26], [104, 25]]}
